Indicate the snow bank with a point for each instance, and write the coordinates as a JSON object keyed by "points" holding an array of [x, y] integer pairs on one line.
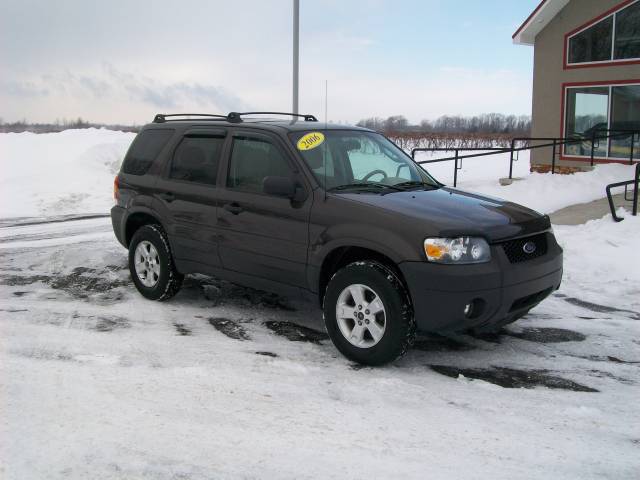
{"points": [[602, 249], [70, 172]]}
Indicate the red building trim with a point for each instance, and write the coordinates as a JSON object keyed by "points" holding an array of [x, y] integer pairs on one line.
{"points": [[524, 24], [574, 158], [610, 63]]}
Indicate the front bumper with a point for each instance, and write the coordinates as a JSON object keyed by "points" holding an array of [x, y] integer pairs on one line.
{"points": [[500, 291]]}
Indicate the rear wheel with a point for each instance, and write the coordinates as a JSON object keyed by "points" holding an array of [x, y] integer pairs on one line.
{"points": [[151, 264], [368, 313]]}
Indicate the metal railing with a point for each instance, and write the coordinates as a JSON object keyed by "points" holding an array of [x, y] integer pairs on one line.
{"points": [[617, 133], [457, 158], [555, 144], [633, 182]]}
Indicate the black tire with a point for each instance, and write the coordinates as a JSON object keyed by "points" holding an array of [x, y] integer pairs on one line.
{"points": [[400, 326], [169, 280]]}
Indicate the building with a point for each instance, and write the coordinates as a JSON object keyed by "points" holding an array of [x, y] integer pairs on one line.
{"points": [[586, 78]]}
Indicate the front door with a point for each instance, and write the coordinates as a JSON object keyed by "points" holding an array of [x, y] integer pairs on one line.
{"points": [[262, 235], [189, 195]]}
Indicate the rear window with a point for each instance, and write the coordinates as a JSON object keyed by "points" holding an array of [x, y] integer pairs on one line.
{"points": [[144, 150]]}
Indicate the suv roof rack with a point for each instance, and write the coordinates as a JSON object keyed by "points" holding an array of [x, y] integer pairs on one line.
{"points": [[236, 117], [232, 117], [162, 117]]}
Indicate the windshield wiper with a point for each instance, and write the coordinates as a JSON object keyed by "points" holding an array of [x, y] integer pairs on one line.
{"points": [[382, 186], [413, 183]]}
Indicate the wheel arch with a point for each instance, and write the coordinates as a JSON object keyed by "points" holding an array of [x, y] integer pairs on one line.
{"points": [[136, 219], [342, 255]]}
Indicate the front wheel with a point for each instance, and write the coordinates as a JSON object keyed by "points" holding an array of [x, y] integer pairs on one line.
{"points": [[368, 313], [151, 265]]}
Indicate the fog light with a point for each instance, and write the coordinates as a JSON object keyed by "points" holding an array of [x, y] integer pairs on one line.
{"points": [[475, 308]]}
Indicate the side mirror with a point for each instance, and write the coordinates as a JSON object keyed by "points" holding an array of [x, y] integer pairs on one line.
{"points": [[279, 186]]}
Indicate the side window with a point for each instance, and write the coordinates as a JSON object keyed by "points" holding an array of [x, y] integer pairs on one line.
{"points": [[144, 150], [252, 160], [196, 159]]}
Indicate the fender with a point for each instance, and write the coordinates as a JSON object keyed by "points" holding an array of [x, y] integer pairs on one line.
{"points": [[139, 209], [378, 239]]}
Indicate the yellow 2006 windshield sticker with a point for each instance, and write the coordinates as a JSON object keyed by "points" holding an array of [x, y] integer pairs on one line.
{"points": [[310, 140]]}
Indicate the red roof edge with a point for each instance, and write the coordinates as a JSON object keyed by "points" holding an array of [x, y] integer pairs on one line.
{"points": [[524, 24]]}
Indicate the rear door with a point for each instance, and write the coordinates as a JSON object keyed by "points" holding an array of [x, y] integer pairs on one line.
{"points": [[262, 235], [189, 196]]}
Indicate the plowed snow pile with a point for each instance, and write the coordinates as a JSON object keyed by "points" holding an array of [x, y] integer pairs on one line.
{"points": [[70, 172]]}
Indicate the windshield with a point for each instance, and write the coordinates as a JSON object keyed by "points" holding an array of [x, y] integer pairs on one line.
{"points": [[344, 159]]}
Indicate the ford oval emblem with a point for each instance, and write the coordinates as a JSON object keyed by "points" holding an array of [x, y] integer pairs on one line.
{"points": [[529, 247]]}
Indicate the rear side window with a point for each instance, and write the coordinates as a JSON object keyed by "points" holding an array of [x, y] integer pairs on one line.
{"points": [[144, 150], [252, 160], [196, 159]]}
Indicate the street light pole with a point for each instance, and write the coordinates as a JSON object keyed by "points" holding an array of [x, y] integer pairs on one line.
{"points": [[296, 52]]}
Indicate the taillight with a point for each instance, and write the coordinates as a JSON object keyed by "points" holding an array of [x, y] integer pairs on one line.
{"points": [[116, 189]]}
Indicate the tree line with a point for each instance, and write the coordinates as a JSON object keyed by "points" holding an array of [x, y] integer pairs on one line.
{"points": [[487, 123], [447, 131], [452, 131], [59, 125]]}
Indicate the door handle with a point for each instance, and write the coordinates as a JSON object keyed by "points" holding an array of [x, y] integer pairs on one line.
{"points": [[167, 197], [233, 208]]}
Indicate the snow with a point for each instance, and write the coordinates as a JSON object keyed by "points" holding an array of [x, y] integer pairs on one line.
{"points": [[543, 192], [69, 172], [97, 382], [602, 261]]}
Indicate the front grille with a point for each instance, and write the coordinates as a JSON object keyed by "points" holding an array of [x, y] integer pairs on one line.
{"points": [[517, 252]]}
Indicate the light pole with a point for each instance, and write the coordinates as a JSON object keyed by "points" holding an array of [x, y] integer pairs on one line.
{"points": [[296, 52]]}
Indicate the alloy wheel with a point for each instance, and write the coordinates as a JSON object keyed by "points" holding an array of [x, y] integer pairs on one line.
{"points": [[147, 264], [361, 315]]}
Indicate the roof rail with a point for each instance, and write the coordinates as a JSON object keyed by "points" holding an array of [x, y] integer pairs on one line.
{"points": [[162, 117], [232, 117], [236, 117]]}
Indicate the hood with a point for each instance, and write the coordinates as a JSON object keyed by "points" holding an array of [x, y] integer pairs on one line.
{"points": [[451, 212]]}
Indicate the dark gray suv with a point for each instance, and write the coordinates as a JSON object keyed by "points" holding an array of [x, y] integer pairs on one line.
{"points": [[336, 213]]}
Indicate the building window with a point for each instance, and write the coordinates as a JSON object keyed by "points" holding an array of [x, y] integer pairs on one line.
{"points": [[614, 38], [627, 44], [625, 115], [592, 44], [593, 112]]}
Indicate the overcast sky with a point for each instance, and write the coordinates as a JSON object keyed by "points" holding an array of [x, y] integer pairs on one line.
{"points": [[123, 61]]}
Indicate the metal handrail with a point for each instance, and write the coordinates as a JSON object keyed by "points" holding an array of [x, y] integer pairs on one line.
{"points": [[554, 143], [457, 157], [620, 133], [633, 182]]}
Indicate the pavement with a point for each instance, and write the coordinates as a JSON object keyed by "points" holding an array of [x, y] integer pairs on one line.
{"points": [[583, 212]]}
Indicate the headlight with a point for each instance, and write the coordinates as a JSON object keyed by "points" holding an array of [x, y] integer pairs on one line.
{"points": [[457, 251]]}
